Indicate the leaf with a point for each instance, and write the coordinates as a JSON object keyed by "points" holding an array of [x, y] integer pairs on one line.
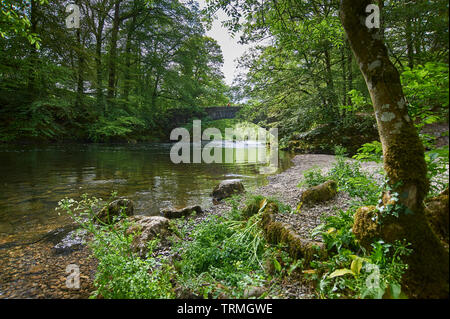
{"points": [[277, 265], [356, 266], [309, 271], [396, 290], [263, 205], [299, 206], [340, 272]]}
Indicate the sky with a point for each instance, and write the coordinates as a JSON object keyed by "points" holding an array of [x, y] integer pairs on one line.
{"points": [[231, 49]]}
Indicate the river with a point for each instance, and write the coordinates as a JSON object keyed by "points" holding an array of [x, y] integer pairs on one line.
{"points": [[35, 178]]}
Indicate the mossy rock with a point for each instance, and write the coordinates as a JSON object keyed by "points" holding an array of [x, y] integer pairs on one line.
{"points": [[171, 213], [319, 193], [115, 210], [277, 232], [365, 226], [227, 188], [252, 207]]}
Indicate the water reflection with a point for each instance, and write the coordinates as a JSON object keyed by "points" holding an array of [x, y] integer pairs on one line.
{"points": [[33, 179]]}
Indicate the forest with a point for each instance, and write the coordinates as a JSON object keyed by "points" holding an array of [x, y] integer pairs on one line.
{"points": [[358, 91], [113, 78]]}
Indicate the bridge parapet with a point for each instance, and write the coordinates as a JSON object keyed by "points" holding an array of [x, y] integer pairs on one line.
{"points": [[222, 112]]}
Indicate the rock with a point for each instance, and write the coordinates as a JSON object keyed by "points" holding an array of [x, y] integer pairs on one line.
{"points": [[147, 228], [185, 293], [227, 189], [178, 213], [365, 225], [319, 193], [254, 292], [73, 241], [115, 210], [278, 232]]}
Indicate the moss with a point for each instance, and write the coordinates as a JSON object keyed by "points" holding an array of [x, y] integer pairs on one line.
{"points": [[319, 193], [407, 164], [437, 213], [252, 207], [365, 226], [277, 232]]}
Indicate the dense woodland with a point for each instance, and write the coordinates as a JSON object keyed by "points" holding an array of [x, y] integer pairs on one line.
{"points": [[130, 61], [329, 84], [114, 77]]}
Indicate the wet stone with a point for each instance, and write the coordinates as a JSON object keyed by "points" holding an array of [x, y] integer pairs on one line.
{"points": [[74, 240]]}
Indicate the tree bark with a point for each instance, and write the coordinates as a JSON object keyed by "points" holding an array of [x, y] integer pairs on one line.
{"points": [[98, 62], [32, 79], [80, 75], [404, 163], [409, 43], [127, 72], [113, 52], [344, 75]]}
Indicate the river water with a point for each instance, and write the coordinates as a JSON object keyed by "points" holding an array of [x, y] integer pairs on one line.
{"points": [[33, 179]]}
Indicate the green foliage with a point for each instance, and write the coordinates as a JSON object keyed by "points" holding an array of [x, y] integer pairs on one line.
{"points": [[313, 177], [350, 271], [426, 88], [437, 163], [359, 101], [224, 257], [229, 255], [82, 85], [370, 152], [349, 177], [120, 127], [121, 274], [14, 21]]}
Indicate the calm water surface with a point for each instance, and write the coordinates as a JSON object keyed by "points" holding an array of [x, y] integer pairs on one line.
{"points": [[34, 179]]}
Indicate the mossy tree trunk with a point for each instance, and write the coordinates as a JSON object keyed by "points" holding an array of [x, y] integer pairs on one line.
{"points": [[403, 152]]}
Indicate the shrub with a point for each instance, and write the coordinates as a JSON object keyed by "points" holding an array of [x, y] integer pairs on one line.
{"points": [[120, 272]]}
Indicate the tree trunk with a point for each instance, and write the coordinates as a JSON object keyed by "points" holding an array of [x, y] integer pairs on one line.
{"points": [[329, 80], [33, 52], [409, 43], [344, 75], [127, 72], [113, 52], [98, 63], [80, 77], [350, 71], [404, 161]]}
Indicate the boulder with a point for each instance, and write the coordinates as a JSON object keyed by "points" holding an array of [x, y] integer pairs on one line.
{"points": [[319, 193], [145, 229], [365, 226], [115, 210], [171, 213], [73, 241], [227, 189]]}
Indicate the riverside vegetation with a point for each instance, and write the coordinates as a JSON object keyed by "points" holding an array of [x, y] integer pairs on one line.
{"points": [[230, 256], [328, 83]]}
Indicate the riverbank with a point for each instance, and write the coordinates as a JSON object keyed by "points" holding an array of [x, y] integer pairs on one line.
{"points": [[36, 271]]}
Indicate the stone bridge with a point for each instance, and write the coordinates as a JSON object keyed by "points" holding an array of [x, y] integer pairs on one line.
{"points": [[222, 112], [178, 117]]}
